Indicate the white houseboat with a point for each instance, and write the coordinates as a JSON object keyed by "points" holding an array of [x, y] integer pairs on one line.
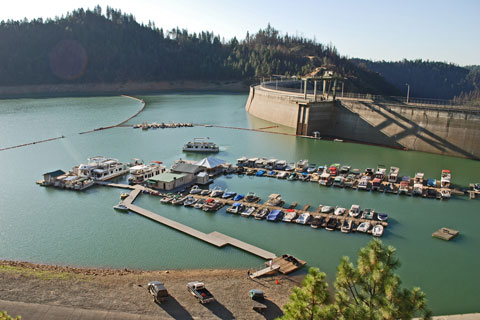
{"points": [[142, 172], [445, 180], [101, 168], [393, 175], [200, 145]]}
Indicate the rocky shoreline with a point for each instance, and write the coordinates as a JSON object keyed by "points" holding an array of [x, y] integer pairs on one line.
{"points": [[89, 89]]}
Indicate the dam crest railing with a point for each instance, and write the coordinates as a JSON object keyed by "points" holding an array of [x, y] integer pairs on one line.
{"points": [[295, 89]]}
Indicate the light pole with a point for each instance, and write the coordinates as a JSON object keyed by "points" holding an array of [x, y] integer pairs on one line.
{"points": [[408, 92]]}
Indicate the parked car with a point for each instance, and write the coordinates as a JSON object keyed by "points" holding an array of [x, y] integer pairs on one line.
{"points": [[198, 290], [158, 291]]}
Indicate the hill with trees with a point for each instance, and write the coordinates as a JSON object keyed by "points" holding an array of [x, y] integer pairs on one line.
{"points": [[95, 47], [88, 46], [427, 79]]}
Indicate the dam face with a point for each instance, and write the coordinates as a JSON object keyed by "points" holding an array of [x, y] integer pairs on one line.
{"points": [[451, 130]]}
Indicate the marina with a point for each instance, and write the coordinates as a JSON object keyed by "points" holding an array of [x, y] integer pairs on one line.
{"points": [[100, 236]]}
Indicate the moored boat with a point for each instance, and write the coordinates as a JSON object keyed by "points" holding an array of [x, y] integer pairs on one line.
{"points": [[236, 208], [120, 207], [275, 215], [304, 218], [249, 211], [346, 226], [290, 215], [393, 174], [200, 145], [339, 211], [363, 227], [377, 230], [331, 224], [261, 214], [354, 211]]}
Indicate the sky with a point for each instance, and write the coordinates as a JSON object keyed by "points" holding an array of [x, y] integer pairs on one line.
{"points": [[440, 30]]}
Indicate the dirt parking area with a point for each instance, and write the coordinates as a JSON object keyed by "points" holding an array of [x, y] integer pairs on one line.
{"points": [[125, 290]]}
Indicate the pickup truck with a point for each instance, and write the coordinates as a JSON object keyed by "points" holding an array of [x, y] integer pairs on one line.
{"points": [[198, 290]]}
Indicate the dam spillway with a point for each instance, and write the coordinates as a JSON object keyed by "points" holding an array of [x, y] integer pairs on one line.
{"points": [[440, 129]]}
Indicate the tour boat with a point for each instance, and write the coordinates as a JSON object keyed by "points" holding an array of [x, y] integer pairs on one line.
{"points": [[200, 145], [377, 230], [141, 172], [354, 211], [290, 215]]}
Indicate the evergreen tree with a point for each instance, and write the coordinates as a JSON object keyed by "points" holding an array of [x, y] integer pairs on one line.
{"points": [[308, 301], [371, 290]]}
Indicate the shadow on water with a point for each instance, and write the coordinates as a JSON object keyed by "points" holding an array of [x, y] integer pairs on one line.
{"points": [[219, 310], [174, 309]]}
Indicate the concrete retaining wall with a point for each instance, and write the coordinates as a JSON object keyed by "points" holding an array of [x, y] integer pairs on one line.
{"points": [[429, 129]]}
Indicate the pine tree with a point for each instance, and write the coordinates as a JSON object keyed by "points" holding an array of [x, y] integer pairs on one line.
{"points": [[372, 291], [308, 301]]}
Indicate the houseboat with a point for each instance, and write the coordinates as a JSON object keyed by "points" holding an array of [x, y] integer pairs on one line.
{"points": [[380, 173], [140, 173], [200, 145], [101, 168], [301, 166], [393, 174], [325, 179], [280, 165], [445, 179], [242, 161]]}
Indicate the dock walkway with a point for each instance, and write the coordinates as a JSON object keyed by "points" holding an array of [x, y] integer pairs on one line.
{"points": [[215, 238]]}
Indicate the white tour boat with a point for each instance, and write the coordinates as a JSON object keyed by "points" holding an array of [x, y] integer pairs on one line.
{"points": [[200, 145]]}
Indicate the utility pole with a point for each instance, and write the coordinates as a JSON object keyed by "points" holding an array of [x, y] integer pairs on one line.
{"points": [[408, 92]]}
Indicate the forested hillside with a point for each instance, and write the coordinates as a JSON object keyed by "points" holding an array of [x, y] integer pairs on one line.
{"points": [[427, 79], [87, 46]]}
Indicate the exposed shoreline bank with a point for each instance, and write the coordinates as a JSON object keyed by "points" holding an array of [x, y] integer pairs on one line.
{"points": [[107, 89]]}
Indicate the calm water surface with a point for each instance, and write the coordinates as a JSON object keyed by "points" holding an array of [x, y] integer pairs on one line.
{"points": [[81, 228]]}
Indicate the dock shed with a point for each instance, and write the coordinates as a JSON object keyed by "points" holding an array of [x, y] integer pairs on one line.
{"points": [[50, 177], [169, 181]]}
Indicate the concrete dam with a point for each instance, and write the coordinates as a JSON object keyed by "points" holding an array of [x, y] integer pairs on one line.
{"points": [[447, 130]]}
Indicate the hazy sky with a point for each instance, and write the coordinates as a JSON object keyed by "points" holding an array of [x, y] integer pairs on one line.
{"points": [[375, 29]]}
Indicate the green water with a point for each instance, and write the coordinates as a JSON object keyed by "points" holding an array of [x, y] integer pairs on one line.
{"points": [[81, 228]]}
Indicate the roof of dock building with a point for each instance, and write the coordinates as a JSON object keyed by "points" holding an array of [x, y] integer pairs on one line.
{"points": [[210, 162], [166, 177], [55, 173], [183, 167]]}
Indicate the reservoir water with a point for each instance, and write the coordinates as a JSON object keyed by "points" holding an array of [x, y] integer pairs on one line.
{"points": [[54, 226]]}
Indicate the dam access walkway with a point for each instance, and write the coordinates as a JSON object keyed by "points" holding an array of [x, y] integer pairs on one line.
{"points": [[215, 238]]}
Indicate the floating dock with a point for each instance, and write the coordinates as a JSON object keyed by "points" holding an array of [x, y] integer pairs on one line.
{"points": [[445, 234], [215, 238]]}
